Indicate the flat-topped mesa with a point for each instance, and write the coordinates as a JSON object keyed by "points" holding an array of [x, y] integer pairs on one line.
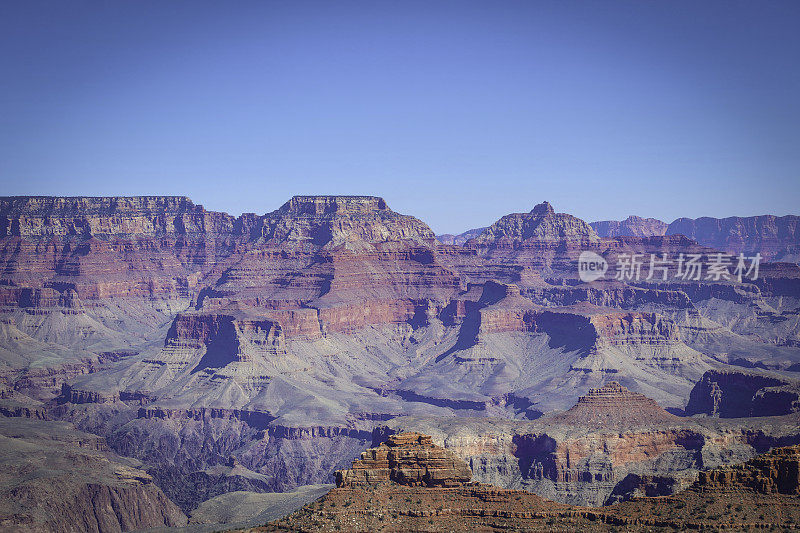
{"points": [[612, 405], [93, 205], [541, 224], [110, 216], [320, 220], [409, 459], [323, 205], [777, 471]]}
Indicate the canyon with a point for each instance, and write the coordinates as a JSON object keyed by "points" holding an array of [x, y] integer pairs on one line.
{"points": [[262, 353]]}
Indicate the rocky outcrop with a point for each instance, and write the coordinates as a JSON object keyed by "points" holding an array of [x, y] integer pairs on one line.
{"points": [[632, 226], [613, 445], [333, 220], [736, 394], [409, 459]]}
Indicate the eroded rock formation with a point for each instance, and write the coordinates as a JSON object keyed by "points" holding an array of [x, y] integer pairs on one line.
{"points": [[775, 472], [614, 406], [409, 459]]}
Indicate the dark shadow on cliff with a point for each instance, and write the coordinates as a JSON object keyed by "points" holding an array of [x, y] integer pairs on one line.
{"points": [[221, 349]]}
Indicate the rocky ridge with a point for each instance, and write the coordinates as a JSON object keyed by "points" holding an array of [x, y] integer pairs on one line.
{"points": [[58, 479], [542, 223], [631, 226], [461, 238]]}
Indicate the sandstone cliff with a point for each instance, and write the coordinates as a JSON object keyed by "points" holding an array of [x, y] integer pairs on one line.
{"points": [[407, 459], [612, 445], [190, 338]]}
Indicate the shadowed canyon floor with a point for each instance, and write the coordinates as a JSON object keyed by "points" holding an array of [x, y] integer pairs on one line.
{"points": [[262, 353]]}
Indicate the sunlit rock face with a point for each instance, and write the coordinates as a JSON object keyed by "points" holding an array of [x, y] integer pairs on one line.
{"points": [[406, 459]]}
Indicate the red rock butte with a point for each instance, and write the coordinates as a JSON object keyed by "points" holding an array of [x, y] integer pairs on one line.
{"points": [[409, 459], [612, 405]]}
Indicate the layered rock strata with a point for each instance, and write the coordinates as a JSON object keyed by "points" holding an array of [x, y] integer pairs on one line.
{"points": [[407, 459], [717, 500], [281, 340], [775, 238], [614, 406]]}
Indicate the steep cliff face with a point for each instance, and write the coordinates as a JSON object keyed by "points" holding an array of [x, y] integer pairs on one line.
{"points": [[632, 226], [775, 472], [775, 238], [732, 394], [59, 479]]}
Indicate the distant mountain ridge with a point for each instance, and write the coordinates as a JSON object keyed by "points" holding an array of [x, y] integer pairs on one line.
{"points": [[461, 238], [632, 226], [776, 238]]}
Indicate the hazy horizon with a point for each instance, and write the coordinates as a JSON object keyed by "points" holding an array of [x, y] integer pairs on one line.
{"points": [[456, 113]]}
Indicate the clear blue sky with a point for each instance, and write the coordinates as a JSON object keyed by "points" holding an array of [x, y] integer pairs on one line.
{"points": [[455, 112]]}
